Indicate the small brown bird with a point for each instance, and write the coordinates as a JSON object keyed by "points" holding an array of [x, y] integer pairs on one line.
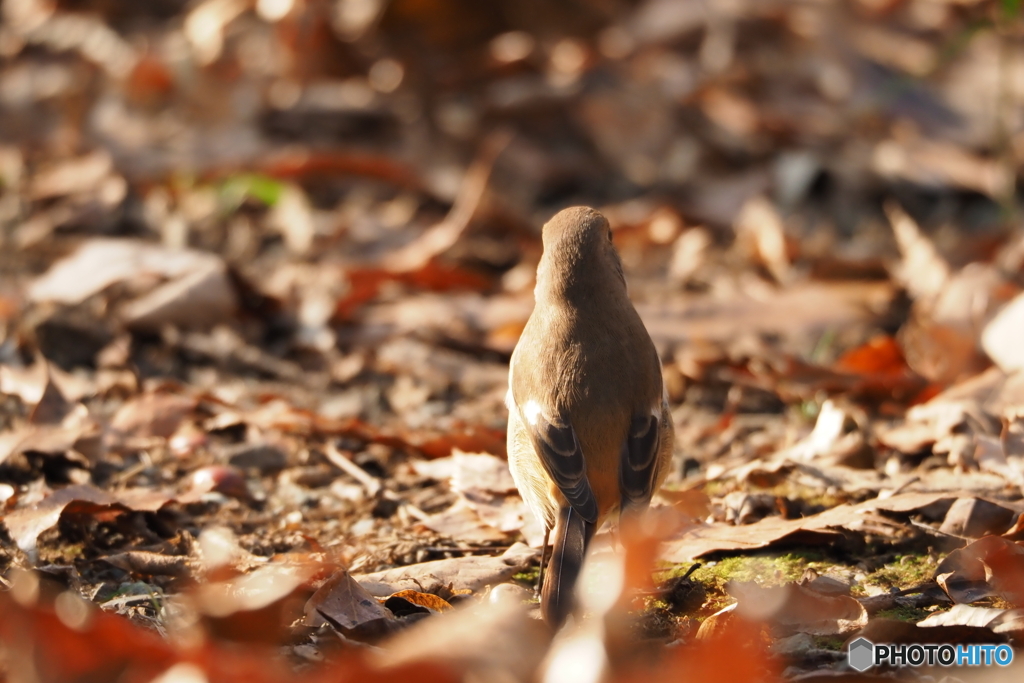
{"points": [[589, 429]]}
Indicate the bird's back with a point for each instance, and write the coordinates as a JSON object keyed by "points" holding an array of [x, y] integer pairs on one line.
{"points": [[599, 387]]}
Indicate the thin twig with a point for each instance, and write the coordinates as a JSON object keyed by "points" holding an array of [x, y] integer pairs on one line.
{"points": [[442, 236], [370, 483]]}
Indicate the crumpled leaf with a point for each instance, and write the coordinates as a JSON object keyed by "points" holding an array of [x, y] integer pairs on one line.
{"points": [[760, 232], [991, 565], [489, 507], [950, 309], [345, 604], [415, 600]]}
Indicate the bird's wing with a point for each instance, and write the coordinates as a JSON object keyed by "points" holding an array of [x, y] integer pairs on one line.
{"points": [[638, 461], [560, 453]]}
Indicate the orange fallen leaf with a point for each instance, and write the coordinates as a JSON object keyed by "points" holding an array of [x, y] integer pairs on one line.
{"points": [[427, 600]]}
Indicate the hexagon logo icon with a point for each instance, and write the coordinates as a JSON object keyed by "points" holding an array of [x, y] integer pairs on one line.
{"points": [[861, 654]]}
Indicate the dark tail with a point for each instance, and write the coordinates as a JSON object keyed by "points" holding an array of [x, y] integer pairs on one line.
{"points": [[572, 536]]}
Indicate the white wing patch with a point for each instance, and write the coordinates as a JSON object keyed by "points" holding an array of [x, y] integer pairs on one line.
{"points": [[531, 411]]}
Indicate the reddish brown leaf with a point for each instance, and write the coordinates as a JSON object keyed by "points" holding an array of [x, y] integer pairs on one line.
{"points": [[257, 607], [365, 284], [880, 355], [150, 80], [86, 644], [310, 164]]}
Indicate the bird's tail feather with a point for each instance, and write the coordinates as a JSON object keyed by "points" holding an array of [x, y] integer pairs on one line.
{"points": [[572, 536]]}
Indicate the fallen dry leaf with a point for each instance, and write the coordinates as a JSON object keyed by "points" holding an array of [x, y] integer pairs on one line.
{"points": [[257, 607], [893, 631], [71, 176], [991, 565], [140, 562], [431, 604], [963, 615], [197, 291], [480, 472], [462, 522], [759, 231], [976, 517], [801, 307], [202, 298], [78, 642], [942, 338], [465, 639], [345, 604], [932, 162], [25, 524], [1001, 337], [78, 432], [472, 572], [27, 383], [820, 529], [922, 271], [152, 414], [992, 393], [792, 608]]}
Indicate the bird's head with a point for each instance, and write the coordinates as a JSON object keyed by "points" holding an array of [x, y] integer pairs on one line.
{"points": [[578, 253]]}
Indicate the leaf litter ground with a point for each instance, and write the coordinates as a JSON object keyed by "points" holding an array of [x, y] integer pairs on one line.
{"points": [[262, 266]]}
